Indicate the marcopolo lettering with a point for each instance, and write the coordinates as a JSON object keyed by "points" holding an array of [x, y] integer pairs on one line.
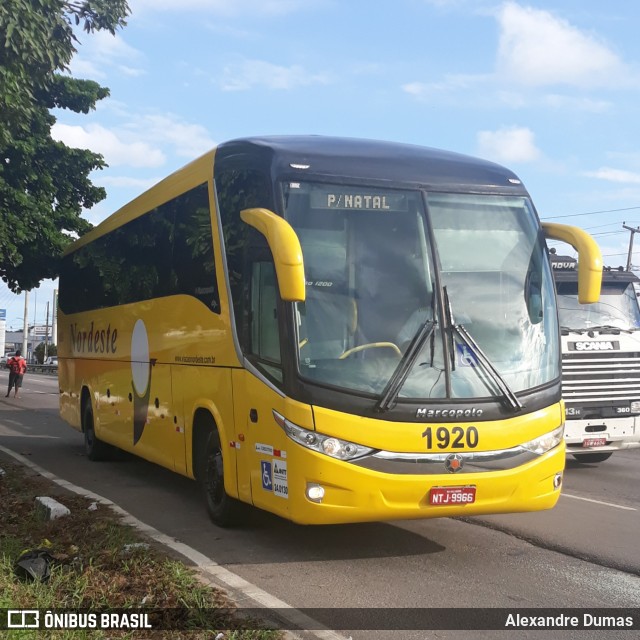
{"points": [[435, 414], [95, 340], [596, 345]]}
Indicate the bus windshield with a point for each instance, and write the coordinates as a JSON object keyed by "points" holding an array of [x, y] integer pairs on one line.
{"points": [[374, 262], [617, 308]]}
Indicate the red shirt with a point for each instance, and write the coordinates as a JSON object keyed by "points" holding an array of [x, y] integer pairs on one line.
{"points": [[17, 365]]}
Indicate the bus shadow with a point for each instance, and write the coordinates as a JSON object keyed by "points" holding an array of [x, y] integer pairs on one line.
{"points": [[340, 541], [266, 535]]}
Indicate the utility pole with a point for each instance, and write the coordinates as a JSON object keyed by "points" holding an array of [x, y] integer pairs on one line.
{"points": [[633, 230], [25, 326], [54, 318], [46, 336]]}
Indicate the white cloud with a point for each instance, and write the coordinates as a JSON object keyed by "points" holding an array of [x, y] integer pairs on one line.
{"points": [[537, 48], [509, 144], [141, 184], [115, 150], [189, 140], [258, 73], [615, 175], [100, 50], [630, 158], [576, 103], [132, 72], [451, 84], [140, 140], [81, 68]]}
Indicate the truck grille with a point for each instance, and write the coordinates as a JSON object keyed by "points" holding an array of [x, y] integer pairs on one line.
{"points": [[589, 378]]}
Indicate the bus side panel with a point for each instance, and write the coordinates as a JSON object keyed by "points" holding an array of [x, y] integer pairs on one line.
{"points": [[207, 389], [110, 389], [157, 440], [138, 361], [69, 397], [264, 454]]}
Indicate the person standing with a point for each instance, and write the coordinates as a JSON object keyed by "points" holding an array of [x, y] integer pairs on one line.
{"points": [[17, 366]]}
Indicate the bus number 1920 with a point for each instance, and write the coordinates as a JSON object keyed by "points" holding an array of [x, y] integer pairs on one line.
{"points": [[456, 438]]}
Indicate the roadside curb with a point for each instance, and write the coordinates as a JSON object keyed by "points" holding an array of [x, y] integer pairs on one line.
{"points": [[237, 588]]}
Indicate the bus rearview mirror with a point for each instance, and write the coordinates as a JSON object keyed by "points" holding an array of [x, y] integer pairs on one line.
{"points": [[589, 258], [285, 247]]}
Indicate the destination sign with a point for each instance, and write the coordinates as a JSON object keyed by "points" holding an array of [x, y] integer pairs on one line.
{"points": [[361, 201]]}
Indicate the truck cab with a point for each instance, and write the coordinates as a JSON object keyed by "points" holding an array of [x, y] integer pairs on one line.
{"points": [[600, 362]]}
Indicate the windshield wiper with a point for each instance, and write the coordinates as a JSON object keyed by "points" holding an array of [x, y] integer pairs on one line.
{"points": [[564, 330], [404, 366], [482, 358], [607, 328]]}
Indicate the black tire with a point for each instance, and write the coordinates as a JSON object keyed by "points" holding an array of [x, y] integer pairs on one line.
{"points": [[223, 510], [593, 457], [95, 449]]}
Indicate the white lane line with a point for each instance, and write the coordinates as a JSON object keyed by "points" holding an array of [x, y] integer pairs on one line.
{"points": [[607, 504], [205, 565]]}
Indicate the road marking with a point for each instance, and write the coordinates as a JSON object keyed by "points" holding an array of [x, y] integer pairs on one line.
{"points": [[204, 564], [608, 504]]}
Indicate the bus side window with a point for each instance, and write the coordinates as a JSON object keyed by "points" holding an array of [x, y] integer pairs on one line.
{"points": [[265, 339]]}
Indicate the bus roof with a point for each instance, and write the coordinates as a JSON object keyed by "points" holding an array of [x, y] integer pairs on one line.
{"points": [[338, 159], [344, 158]]}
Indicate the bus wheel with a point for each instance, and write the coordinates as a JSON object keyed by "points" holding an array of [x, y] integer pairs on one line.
{"points": [[593, 457], [95, 449], [223, 510]]}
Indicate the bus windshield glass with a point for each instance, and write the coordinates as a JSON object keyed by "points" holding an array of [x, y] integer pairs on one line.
{"points": [[370, 266], [617, 308]]}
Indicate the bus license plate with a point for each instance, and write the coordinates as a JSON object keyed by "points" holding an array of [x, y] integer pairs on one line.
{"points": [[445, 496], [594, 442]]}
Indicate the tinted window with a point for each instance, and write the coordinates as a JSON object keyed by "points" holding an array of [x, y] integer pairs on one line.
{"points": [[167, 251], [237, 190]]}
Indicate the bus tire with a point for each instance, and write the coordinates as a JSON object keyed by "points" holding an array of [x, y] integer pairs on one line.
{"points": [[593, 457], [95, 449], [223, 510]]}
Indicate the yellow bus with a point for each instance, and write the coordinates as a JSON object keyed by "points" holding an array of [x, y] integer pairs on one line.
{"points": [[332, 330]]}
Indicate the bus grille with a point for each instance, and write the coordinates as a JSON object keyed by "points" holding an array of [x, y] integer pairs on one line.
{"points": [[590, 378]]}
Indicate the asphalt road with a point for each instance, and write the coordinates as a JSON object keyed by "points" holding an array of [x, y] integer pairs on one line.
{"points": [[583, 554]]}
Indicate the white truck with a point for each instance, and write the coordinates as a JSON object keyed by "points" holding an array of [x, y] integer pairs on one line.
{"points": [[600, 362]]}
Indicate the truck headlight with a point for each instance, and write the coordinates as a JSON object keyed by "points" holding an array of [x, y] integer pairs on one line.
{"points": [[545, 443], [329, 445]]}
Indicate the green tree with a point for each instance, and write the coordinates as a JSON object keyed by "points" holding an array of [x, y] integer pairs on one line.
{"points": [[52, 350], [44, 184]]}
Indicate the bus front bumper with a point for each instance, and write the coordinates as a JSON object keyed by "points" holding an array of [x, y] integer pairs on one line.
{"points": [[329, 491]]}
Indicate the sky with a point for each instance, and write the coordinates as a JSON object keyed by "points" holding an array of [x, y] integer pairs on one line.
{"points": [[549, 89]]}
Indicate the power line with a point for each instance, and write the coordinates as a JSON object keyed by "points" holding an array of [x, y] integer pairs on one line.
{"points": [[590, 213], [608, 224], [607, 233]]}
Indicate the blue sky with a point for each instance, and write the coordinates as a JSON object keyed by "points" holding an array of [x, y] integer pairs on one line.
{"points": [[549, 89]]}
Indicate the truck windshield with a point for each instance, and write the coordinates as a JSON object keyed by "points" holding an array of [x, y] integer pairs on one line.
{"points": [[617, 307], [371, 292]]}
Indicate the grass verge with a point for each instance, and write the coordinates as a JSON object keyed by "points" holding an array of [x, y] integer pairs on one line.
{"points": [[101, 564]]}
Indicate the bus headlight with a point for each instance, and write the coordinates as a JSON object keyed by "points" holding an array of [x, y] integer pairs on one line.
{"points": [[545, 443], [329, 445]]}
